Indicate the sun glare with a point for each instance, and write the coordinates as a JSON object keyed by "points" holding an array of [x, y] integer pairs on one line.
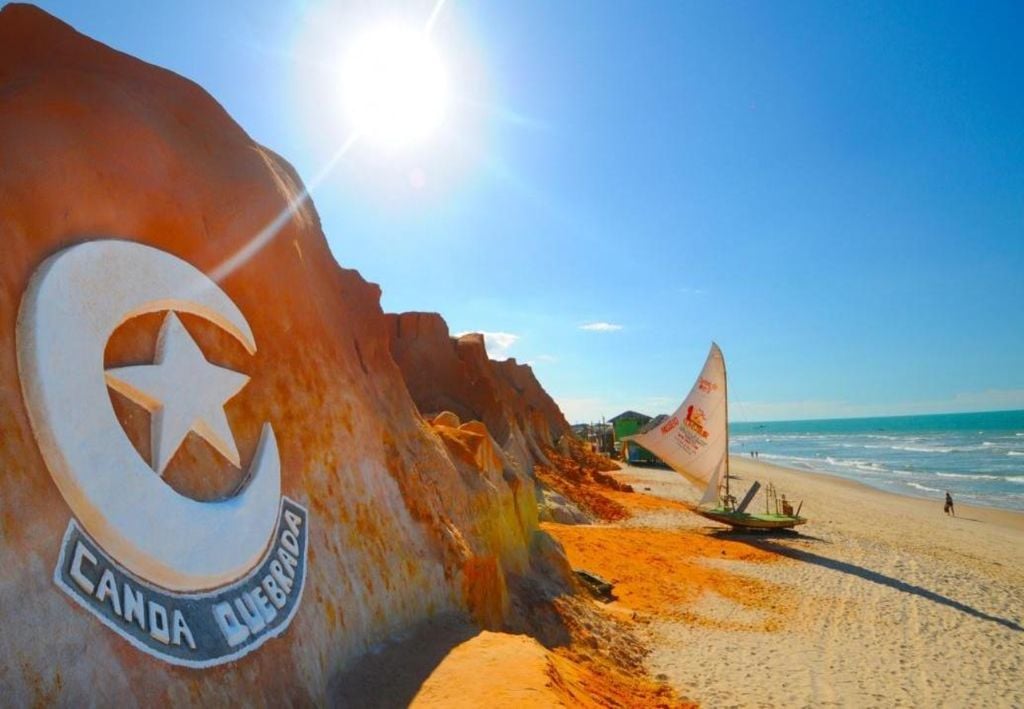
{"points": [[394, 87]]}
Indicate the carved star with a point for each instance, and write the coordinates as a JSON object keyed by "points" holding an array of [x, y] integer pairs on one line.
{"points": [[183, 392]]}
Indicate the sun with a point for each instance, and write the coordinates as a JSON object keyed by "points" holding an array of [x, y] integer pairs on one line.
{"points": [[394, 88]]}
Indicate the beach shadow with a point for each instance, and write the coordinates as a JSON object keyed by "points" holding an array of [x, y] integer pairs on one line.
{"points": [[881, 579], [533, 611], [646, 464], [765, 534], [762, 535], [392, 675]]}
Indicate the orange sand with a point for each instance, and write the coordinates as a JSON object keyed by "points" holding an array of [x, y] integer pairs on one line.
{"points": [[502, 670], [661, 572], [656, 571], [639, 502]]}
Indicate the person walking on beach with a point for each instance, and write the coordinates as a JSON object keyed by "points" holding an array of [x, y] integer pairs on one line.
{"points": [[948, 509]]}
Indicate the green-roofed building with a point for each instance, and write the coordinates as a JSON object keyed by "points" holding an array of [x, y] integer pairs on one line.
{"points": [[629, 423]]}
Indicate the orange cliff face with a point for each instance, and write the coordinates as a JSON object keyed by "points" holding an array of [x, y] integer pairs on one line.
{"points": [[445, 373], [98, 145], [453, 376]]}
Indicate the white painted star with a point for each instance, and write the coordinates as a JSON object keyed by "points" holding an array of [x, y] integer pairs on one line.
{"points": [[183, 392]]}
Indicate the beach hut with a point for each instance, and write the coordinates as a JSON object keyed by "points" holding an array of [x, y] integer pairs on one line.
{"points": [[629, 423]]}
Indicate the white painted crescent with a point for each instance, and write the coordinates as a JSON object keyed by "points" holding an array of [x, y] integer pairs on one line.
{"points": [[74, 302]]}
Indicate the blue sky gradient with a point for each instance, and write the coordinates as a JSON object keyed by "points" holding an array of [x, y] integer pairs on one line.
{"points": [[832, 192]]}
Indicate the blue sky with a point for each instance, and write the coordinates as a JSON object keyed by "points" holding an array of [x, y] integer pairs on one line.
{"points": [[832, 192]]}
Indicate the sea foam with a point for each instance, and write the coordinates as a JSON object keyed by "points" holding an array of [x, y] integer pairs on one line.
{"points": [[977, 457]]}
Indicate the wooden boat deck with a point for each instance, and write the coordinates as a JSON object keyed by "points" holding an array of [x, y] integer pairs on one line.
{"points": [[751, 521]]}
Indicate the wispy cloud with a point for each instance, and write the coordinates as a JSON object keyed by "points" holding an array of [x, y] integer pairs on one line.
{"points": [[692, 291], [497, 343], [600, 327]]}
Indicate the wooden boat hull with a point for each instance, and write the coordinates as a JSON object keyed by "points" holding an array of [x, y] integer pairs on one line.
{"points": [[742, 520]]}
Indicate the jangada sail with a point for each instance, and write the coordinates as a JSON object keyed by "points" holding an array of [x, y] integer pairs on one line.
{"points": [[694, 440]]}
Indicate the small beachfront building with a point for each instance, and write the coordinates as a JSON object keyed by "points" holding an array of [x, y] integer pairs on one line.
{"points": [[629, 423]]}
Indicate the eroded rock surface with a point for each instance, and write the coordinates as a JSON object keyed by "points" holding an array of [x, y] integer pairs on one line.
{"points": [[446, 373], [407, 520]]}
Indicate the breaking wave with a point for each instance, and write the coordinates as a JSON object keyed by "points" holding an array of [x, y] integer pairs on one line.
{"points": [[964, 476], [923, 487], [976, 458], [924, 449]]}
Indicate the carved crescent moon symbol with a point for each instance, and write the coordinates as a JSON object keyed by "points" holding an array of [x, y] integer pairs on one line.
{"points": [[74, 302]]}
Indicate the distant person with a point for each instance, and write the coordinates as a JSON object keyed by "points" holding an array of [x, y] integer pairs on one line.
{"points": [[948, 509]]}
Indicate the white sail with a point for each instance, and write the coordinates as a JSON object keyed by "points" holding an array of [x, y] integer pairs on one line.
{"points": [[694, 440], [711, 491]]}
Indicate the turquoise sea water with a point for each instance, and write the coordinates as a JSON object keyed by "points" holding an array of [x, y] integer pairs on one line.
{"points": [[977, 457]]}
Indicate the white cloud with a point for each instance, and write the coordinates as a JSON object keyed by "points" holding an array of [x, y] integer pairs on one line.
{"points": [[497, 343], [601, 327]]}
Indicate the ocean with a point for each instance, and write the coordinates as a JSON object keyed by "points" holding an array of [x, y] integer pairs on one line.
{"points": [[977, 457]]}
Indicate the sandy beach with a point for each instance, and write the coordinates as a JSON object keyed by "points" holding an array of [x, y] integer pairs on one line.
{"points": [[881, 600]]}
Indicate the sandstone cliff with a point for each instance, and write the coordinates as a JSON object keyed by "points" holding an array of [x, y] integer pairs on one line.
{"points": [[406, 520], [445, 373]]}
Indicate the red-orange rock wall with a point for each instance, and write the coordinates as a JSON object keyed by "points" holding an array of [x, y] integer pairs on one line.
{"points": [[95, 144], [444, 373]]}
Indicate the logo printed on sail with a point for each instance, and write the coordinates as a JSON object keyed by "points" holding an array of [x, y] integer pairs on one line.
{"points": [[195, 583], [706, 385], [695, 420], [670, 424]]}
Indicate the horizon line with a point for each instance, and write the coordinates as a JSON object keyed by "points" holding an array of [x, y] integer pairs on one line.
{"points": [[838, 418]]}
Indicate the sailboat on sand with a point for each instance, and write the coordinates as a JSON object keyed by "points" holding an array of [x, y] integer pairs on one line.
{"points": [[694, 441]]}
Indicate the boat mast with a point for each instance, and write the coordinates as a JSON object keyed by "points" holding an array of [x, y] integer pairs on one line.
{"points": [[725, 387]]}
